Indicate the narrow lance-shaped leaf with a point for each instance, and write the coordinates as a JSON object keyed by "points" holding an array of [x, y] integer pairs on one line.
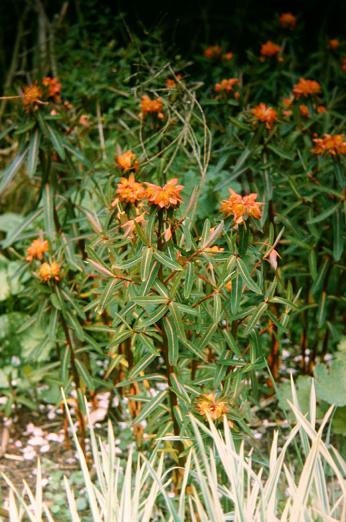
{"points": [[48, 212], [338, 234], [26, 224], [323, 215], [245, 274], [167, 261], [172, 341], [32, 158], [257, 314], [147, 256], [140, 366], [57, 141], [188, 280], [150, 407], [83, 372], [9, 173]]}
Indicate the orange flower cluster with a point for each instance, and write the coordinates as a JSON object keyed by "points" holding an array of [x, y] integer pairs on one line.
{"points": [[48, 271], [171, 83], [306, 88], [215, 52], [54, 87], [208, 404], [304, 110], [226, 85], [241, 206], [214, 249], [127, 161], [329, 144], [149, 106], [167, 196], [129, 190], [288, 21], [32, 95], [270, 49], [37, 249], [265, 114], [333, 44]]}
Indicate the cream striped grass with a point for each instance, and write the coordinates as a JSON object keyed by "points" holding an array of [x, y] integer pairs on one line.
{"points": [[225, 483]]}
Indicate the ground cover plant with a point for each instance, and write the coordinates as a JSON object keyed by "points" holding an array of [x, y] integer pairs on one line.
{"points": [[172, 236]]}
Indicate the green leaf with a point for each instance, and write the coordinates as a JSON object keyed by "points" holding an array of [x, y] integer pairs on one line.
{"points": [[236, 294], [255, 317], [48, 212], [322, 310], [149, 300], [150, 407], [231, 342], [331, 382], [107, 294], [321, 217], [148, 284], [154, 317], [32, 158], [84, 374], [177, 320], [172, 340], [279, 152], [188, 280], [146, 262], [339, 421], [207, 336], [193, 348], [65, 365], [9, 173], [167, 261], [245, 274], [320, 277], [57, 141], [338, 235], [217, 308], [23, 226], [141, 365]]}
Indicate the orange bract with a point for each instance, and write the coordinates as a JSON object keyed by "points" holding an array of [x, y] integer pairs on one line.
{"points": [[48, 271], [32, 95], [334, 44], [226, 85], [265, 114], [167, 196], [288, 20], [331, 145], [208, 404], [149, 106], [227, 56], [241, 206], [306, 88], [127, 161], [129, 190], [171, 83], [54, 87], [37, 249], [214, 51], [270, 49], [304, 110]]}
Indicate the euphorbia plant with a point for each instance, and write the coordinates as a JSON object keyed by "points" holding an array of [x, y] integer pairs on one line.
{"points": [[184, 305]]}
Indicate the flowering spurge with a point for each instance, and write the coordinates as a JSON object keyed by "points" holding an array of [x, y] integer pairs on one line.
{"points": [[265, 114], [185, 303]]}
